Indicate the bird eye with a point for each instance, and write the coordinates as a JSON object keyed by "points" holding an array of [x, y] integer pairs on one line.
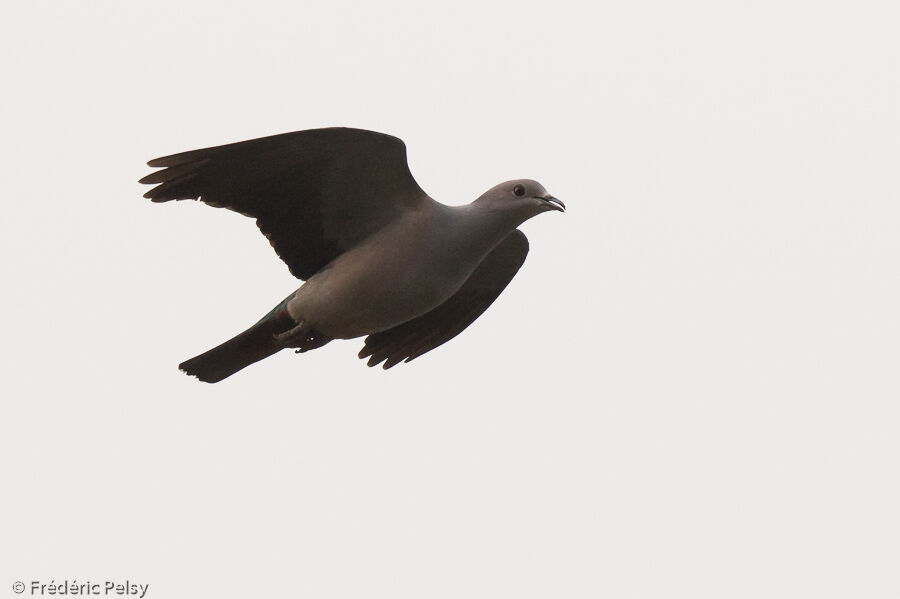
{"points": [[519, 190]]}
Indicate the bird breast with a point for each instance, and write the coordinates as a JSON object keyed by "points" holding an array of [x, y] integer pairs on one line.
{"points": [[394, 277]]}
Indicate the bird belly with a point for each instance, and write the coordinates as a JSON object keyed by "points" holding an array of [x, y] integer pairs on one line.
{"points": [[354, 297], [406, 270]]}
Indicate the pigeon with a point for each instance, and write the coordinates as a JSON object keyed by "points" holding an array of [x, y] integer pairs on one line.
{"points": [[379, 257]]}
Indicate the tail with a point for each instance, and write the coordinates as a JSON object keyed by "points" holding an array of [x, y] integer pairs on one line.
{"points": [[251, 346]]}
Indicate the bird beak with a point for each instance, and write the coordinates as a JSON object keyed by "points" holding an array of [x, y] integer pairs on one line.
{"points": [[554, 203]]}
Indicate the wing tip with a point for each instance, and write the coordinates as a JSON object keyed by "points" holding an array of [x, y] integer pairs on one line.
{"points": [[157, 162], [386, 360]]}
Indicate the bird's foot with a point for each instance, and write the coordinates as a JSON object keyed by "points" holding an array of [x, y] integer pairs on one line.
{"points": [[312, 342], [293, 337], [301, 336]]}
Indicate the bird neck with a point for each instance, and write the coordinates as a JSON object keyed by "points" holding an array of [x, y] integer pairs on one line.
{"points": [[482, 225]]}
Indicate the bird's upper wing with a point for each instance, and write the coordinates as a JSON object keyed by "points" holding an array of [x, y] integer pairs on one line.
{"points": [[420, 335], [314, 194]]}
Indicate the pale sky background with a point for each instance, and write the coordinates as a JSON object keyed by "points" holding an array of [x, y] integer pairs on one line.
{"points": [[691, 388]]}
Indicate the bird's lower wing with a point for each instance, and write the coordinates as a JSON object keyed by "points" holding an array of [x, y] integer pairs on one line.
{"points": [[411, 339]]}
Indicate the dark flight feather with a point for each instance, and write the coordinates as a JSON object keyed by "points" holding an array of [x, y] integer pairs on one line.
{"points": [[411, 339], [314, 194]]}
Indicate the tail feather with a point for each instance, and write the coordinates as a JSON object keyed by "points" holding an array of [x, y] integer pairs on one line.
{"points": [[241, 351]]}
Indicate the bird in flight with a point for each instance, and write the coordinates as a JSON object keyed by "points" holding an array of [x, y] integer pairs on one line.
{"points": [[380, 257]]}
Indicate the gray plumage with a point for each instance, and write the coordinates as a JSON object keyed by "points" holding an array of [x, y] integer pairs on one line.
{"points": [[380, 258]]}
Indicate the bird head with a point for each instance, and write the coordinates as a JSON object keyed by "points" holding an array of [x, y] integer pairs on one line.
{"points": [[523, 196]]}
